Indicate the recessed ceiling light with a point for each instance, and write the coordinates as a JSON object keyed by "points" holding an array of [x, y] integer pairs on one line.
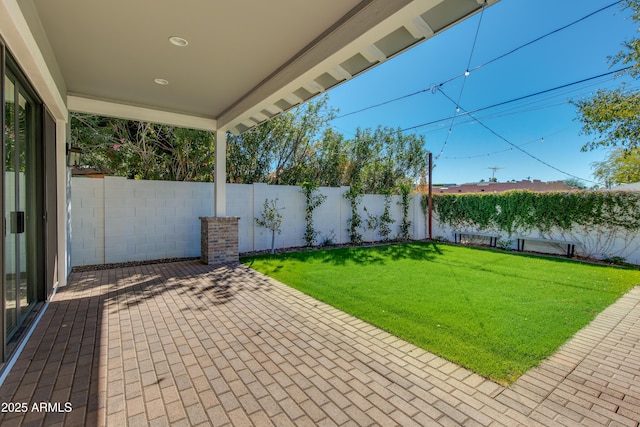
{"points": [[162, 82], [178, 41]]}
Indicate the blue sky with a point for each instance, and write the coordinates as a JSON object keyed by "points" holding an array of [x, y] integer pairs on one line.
{"points": [[543, 126]]}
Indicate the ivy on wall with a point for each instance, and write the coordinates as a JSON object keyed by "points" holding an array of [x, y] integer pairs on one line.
{"points": [[354, 196], [405, 192], [526, 211], [384, 221], [313, 199]]}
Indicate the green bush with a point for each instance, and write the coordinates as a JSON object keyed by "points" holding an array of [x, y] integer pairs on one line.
{"points": [[526, 211]]}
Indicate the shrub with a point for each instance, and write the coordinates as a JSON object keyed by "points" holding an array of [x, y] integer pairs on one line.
{"points": [[598, 219], [271, 219]]}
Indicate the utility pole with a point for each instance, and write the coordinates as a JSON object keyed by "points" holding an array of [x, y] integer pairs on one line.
{"points": [[430, 201], [493, 174]]}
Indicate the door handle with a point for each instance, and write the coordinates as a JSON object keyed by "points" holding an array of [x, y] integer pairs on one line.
{"points": [[17, 222]]}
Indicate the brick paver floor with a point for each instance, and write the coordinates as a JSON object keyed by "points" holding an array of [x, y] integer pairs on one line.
{"points": [[188, 344]]}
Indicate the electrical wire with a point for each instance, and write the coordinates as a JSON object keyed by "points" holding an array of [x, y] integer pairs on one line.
{"points": [[473, 48], [496, 134], [557, 30], [534, 105], [520, 98], [434, 88], [510, 111], [464, 81], [508, 149]]}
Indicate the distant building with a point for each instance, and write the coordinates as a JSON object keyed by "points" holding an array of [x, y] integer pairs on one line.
{"points": [[635, 186], [91, 172], [499, 187]]}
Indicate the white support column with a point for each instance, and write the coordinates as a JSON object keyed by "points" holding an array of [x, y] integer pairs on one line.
{"points": [[219, 234], [220, 171], [63, 128]]}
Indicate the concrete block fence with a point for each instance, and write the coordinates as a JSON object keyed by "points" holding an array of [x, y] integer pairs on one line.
{"points": [[118, 220]]}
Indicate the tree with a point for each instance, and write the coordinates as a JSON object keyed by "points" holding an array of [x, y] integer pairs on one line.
{"points": [[359, 153], [382, 159], [189, 155], [250, 155], [143, 150], [621, 167], [613, 116], [329, 161], [295, 147], [271, 219], [285, 149], [575, 183]]}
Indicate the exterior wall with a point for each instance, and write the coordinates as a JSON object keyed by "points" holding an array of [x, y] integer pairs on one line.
{"points": [[86, 233], [330, 218], [591, 243], [28, 44], [118, 220], [240, 205]]}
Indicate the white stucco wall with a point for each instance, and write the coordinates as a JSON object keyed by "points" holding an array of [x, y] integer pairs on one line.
{"points": [[86, 233], [118, 220]]}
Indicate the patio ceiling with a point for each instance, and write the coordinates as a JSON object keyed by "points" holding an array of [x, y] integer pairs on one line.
{"points": [[246, 60]]}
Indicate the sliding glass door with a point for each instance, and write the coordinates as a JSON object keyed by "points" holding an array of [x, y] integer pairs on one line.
{"points": [[20, 203]]}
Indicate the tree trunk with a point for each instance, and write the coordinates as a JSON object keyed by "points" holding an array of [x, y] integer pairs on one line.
{"points": [[273, 241]]}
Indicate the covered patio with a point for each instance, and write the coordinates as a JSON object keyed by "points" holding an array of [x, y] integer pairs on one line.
{"points": [[223, 67], [193, 344], [190, 344]]}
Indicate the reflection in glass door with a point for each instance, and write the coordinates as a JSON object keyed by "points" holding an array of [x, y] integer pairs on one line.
{"points": [[19, 186]]}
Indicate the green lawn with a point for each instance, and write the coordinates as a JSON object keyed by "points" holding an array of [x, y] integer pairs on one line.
{"points": [[496, 313]]}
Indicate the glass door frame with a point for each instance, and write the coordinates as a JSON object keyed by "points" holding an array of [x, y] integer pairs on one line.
{"points": [[3, 347], [34, 244]]}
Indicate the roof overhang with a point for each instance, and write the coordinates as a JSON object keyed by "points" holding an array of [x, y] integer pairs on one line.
{"points": [[246, 61]]}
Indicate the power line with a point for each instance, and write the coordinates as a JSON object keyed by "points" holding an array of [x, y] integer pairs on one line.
{"points": [[502, 103], [516, 146], [473, 48], [508, 149], [435, 87], [475, 38], [533, 105], [557, 30], [464, 81], [520, 98]]}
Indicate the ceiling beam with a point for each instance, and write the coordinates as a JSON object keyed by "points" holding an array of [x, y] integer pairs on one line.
{"points": [[356, 33], [131, 112], [306, 64], [418, 28]]}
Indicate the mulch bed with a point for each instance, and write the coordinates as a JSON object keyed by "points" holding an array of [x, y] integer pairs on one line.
{"points": [[96, 267]]}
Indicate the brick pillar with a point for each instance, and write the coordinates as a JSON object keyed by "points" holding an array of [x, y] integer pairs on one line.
{"points": [[219, 240]]}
